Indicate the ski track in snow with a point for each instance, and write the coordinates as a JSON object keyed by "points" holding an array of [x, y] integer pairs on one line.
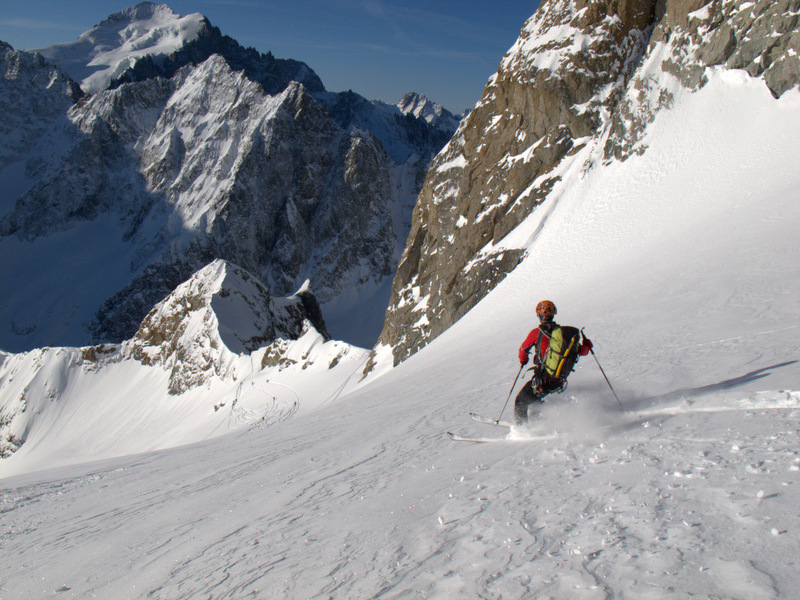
{"points": [[638, 506]]}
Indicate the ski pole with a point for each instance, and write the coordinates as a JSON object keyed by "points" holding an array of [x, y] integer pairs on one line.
{"points": [[509, 393], [604, 374]]}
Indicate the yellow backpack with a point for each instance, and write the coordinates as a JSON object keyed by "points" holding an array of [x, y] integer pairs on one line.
{"points": [[562, 352]]}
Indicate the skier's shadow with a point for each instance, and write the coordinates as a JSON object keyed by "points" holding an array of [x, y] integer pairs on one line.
{"points": [[686, 393]]}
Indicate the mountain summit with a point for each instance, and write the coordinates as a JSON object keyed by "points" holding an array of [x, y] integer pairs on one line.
{"points": [[421, 107], [149, 40], [110, 48], [219, 312]]}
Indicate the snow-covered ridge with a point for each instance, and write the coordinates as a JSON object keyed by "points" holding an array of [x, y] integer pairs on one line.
{"points": [[219, 313], [217, 354], [106, 51]]}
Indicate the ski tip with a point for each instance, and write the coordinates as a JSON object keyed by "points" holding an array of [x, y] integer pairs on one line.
{"points": [[488, 420]]}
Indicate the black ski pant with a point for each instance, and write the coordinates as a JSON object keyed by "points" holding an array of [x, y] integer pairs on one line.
{"points": [[525, 398], [528, 395]]}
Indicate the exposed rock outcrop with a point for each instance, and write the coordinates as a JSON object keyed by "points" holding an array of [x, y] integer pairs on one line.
{"points": [[221, 311]]}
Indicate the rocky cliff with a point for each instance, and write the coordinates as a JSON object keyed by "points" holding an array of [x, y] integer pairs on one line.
{"points": [[222, 311], [35, 97], [580, 72]]}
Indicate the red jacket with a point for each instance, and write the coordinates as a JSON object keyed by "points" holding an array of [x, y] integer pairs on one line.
{"points": [[533, 337]]}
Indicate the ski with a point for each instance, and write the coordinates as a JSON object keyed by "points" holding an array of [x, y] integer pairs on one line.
{"points": [[509, 438], [475, 440], [488, 421]]}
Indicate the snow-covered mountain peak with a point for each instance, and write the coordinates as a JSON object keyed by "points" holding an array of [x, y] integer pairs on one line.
{"points": [[185, 334], [421, 107], [222, 311], [106, 51], [217, 281], [150, 40], [144, 13]]}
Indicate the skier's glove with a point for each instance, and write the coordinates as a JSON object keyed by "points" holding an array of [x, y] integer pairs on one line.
{"points": [[588, 343]]}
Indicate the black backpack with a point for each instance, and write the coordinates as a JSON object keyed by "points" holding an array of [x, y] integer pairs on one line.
{"points": [[562, 352]]}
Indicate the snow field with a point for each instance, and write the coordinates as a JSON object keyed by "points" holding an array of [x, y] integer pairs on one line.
{"points": [[77, 412]]}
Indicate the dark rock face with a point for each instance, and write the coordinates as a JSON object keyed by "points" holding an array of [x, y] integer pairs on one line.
{"points": [[481, 185], [581, 72], [34, 99], [402, 134]]}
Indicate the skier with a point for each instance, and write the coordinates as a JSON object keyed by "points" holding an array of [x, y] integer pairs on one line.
{"points": [[542, 384]]}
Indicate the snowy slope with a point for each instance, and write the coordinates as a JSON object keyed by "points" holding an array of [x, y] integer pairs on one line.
{"points": [[682, 265], [110, 48]]}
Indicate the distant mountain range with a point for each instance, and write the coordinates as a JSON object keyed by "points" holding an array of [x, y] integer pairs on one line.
{"points": [[153, 145]]}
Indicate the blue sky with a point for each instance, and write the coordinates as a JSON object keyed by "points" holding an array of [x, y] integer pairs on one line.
{"points": [[380, 49]]}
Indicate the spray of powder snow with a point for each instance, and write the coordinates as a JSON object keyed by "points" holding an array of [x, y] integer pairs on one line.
{"points": [[582, 415]]}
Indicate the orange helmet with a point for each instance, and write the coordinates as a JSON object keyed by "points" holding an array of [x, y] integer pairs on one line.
{"points": [[545, 310]]}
